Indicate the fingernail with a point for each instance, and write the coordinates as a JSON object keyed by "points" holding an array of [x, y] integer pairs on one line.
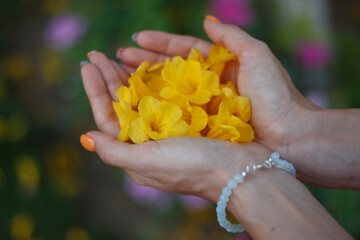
{"points": [[119, 52], [82, 63], [87, 142], [91, 53], [212, 18], [133, 37]]}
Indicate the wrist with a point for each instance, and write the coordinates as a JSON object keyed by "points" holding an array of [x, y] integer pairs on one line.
{"points": [[271, 204], [246, 153], [323, 146]]}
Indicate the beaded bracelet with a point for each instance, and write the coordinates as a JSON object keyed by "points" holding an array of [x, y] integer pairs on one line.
{"points": [[273, 161]]}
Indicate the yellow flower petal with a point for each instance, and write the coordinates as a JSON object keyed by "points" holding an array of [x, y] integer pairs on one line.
{"points": [[168, 92], [149, 108], [196, 55], [138, 131], [123, 93], [179, 128], [199, 119], [224, 132], [246, 132], [168, 114], [211, 121], [156, 67], [224, 114], [201, 96], [241, 108], [140, 71]]}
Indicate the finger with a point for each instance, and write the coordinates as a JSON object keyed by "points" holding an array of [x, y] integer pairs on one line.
{"points": [[124, 76], [120, 154], [230, 37], [170, 43], [135, 56], [110, 75], [128, 69], [100, 100]]}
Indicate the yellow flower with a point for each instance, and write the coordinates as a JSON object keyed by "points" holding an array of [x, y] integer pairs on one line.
{"points": [[22, 227], [218, 56], [156, 121], [138, 88], [77, 233], [28, 174], [228, 90], [124, 112], [153, 78], [231, 121], [195, 116], [187, 78], [238, 106]]}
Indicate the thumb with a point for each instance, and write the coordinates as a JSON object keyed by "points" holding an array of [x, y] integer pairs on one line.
{"points": [[112, 151], [229, 36]]}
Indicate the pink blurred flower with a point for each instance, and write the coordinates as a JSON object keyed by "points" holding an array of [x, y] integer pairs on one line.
{"points": [[194, 202], [237, 12], [312, 55], [148, 195], [65, 30], [242, 236], [319, 98]]}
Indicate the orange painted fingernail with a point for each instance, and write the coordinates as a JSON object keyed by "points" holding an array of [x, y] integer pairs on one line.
{"points": [[91, 53], [87, 142], [119, 52], [212, 18]]}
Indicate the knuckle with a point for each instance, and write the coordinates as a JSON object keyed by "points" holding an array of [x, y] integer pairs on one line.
{"points": [[256, 49], [262, 46]]}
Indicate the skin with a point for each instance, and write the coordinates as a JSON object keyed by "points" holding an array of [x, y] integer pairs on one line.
{"points": [[270, 204]]}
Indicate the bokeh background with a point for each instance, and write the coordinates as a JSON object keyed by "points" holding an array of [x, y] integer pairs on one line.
{"points": [[51, 188]]}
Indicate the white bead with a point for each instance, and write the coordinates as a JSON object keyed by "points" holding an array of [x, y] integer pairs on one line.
{"points": [[224, 198], [226, 191], [232, 184], [222, 204], [244, 174], [275, 156], [238, 178]]}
